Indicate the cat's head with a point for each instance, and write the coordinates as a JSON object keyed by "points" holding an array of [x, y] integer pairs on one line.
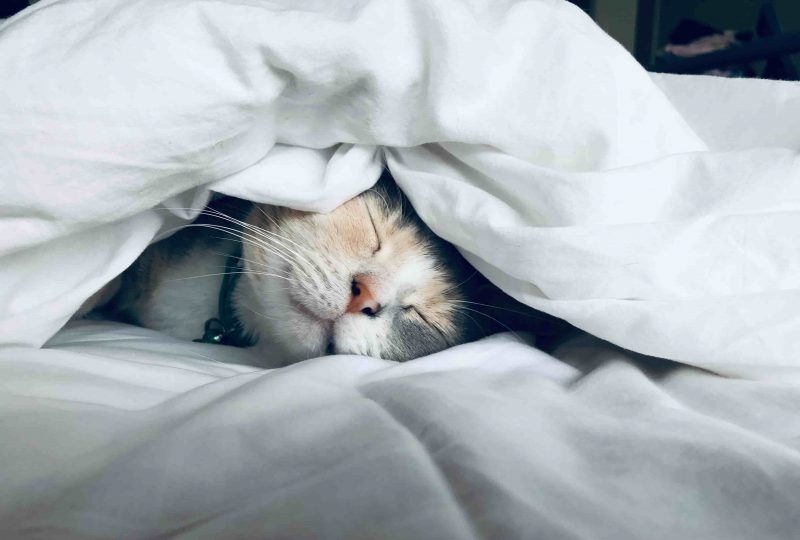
{"points": [[367, 278]]}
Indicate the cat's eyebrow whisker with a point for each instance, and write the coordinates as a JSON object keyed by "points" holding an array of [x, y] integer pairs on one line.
{"points": [[372, 221], [269, 217], [400, 197], [379, 194], [277, 226]]}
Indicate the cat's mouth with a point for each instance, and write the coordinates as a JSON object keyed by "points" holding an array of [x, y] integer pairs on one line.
{"points": [[327, 343]]}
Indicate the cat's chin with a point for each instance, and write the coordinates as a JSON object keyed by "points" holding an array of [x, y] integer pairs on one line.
{"points": [[290, 340]]}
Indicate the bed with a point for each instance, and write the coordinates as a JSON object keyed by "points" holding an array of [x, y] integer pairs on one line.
{"points": [[657, 213]]}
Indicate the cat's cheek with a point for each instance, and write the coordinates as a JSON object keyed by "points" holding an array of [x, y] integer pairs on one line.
{"points": [[292, 337]]}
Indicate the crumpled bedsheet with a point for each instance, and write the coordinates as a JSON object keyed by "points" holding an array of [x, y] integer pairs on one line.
{"points": [[119, 432]]}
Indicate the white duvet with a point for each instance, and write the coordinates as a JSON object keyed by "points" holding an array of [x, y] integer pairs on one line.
{"points": [[660, 213]]}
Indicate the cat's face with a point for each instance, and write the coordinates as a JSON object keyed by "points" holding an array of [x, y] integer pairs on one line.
{"points": [[367, 278]]}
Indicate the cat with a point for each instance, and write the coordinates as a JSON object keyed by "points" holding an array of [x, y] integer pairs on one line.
{"points": [[369, 278]]}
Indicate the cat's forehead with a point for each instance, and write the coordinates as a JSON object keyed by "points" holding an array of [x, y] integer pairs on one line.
{"points": [[361, 227], [368, 228]]}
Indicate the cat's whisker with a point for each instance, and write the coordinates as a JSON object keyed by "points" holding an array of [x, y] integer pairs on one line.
{"points": [[296, 265], [255, 263], [475, 322], [277, 226], [259, 314], [296, 259], [531, 315], [250, 239], [269, 217], [501, 323], [225, 274], [300, 262], [260, 239], [309, 268], [236, 232], [293, 258], [266, 234], [459, 285], [258, 264], [314, 268], [262, 234], [287, 248]]}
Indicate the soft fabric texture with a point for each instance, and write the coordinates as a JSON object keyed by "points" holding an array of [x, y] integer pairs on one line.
{"points": [[118, 432], [660, 213], [568, 175]]}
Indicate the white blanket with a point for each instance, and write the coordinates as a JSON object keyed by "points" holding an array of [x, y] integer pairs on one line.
{"points": [[658, 212], [660, 215]]}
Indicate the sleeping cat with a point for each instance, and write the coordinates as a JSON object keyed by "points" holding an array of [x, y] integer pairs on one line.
{"points": [[367, 278]]}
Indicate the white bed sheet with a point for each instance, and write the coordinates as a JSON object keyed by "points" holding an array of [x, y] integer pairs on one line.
{"points": [[122, 433]]}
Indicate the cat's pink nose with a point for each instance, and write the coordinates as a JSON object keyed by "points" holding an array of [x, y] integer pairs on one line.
{"points": [[363, 299]]}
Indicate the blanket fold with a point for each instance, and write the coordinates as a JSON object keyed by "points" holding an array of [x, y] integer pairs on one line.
{"points": [[575, 180]]}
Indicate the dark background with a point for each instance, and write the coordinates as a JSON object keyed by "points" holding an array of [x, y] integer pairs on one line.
{"points": [[644, 27]]}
